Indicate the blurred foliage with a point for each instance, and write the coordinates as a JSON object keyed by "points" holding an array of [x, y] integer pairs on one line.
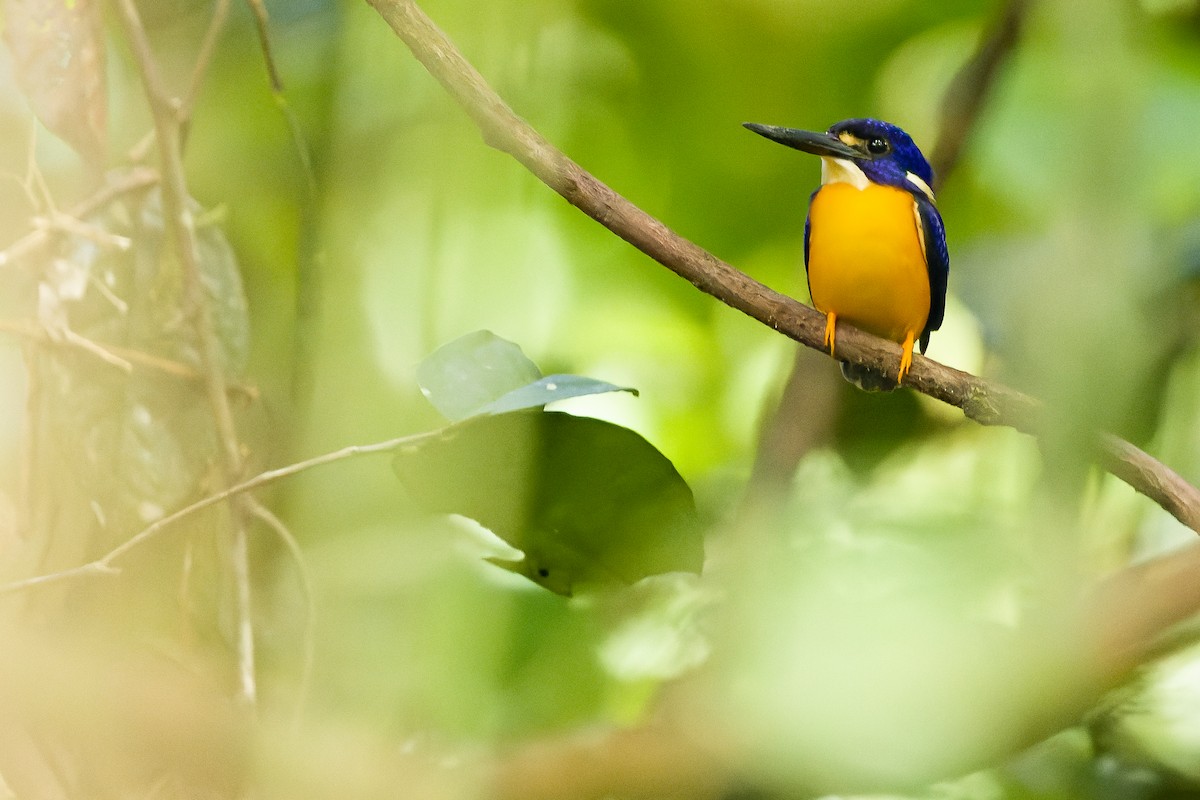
{"points": [[889, 624], [587, 503]]}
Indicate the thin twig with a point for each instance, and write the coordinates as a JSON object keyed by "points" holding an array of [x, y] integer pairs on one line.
{"points": [[90, 568], [181, 224], [69, 225], [105, 564], [309, 256], [121, 356], [134, 180], [308, 637], [262, 27], [305, 277], [984, 401], [141, 148], [99, 351], [36, 190], [69, 339], [26, 181], [208, 46], [118, 303], [262, 24], [240, 561]]}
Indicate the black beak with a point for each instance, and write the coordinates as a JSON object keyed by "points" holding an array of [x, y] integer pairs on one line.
{"points": [[821, 144]]}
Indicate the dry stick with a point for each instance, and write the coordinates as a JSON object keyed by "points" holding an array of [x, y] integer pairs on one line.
{"points": [[308, 257], [983, 401], [29, 244], [309, 640], [304, 294], [36, 190], [168, 128], [104, 564], [72, 226], [263, 29], [32, 180], [208, 46], [67, 338], [262, 26], [123, 358]]}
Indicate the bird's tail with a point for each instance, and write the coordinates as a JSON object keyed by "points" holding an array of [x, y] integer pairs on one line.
{"points": [[867, 379]]}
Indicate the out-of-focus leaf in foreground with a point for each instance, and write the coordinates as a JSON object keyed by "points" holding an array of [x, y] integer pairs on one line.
{"points": [[461, 377], [547, 390], [58, 56]]}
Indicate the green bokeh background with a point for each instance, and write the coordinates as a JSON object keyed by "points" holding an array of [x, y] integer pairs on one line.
{"points": [[1075, 253]]}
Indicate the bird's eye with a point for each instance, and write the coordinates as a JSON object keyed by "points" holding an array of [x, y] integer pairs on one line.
{"points": [[877, 146]]}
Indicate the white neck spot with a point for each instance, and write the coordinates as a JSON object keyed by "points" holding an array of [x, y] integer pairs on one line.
{"points": [[842, 170], [916, 181]]}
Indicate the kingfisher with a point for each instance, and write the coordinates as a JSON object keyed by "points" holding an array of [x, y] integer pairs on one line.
{"points": [[874, 243]]}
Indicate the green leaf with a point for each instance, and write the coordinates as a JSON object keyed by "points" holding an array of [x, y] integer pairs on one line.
{"points": [[461, 377], [547, 390], [589, 503]]}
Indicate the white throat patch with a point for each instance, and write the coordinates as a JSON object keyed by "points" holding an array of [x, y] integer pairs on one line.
{"points": [[842, 170], [916, 181]]}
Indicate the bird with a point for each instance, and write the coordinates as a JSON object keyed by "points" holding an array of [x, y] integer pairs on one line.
{"points": [[874, 242]]}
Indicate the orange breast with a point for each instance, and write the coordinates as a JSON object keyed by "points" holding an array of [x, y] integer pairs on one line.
{"points": [[866, 261]]}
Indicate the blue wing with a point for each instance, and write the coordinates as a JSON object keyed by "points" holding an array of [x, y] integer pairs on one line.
{"points": [[937, 261], [807, 231]]}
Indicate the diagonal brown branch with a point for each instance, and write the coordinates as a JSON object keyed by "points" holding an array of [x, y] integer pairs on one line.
{"points": [[984, 401]]}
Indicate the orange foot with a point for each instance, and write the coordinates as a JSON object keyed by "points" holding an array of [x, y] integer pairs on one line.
{"points": [[831, 331], [906, 357]]}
